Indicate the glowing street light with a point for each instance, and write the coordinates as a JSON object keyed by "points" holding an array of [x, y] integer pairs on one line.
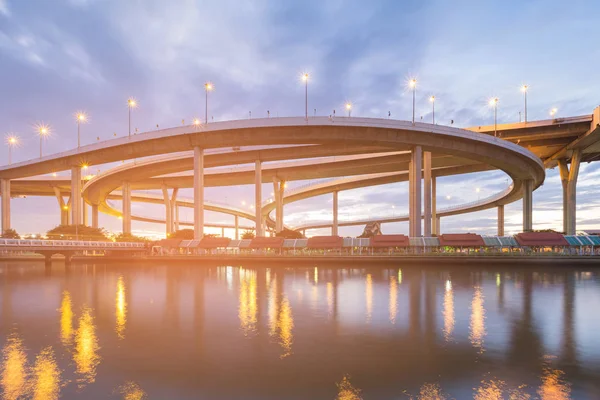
{"points": [[553, 112], [11, 141], [349, 108], [305, 77], [131, 103], [413, 85], [494, 103], [524, 90], [43, 131], [207, 88], [81, 119], [432, 100]]}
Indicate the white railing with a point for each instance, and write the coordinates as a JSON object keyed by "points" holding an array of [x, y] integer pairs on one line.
{"points": [[68, 243]]}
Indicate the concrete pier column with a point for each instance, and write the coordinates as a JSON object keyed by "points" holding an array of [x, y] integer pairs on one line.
{"points": [[168, 214], [237, 227], [527, 205], [501, 220], [94, 215], [334, 227], [5, 188], [176, 208], [198, 193], [414, 179], [438, 225], [84, 208], [68, 208], [434, 227], [568, 177], [126, 194], [427, 203], [278, 188], [222, 231], [76, 195], [64, 209], [258, 198], [172, 207]]}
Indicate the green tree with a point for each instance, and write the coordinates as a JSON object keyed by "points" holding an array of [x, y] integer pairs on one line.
{"points": [[79, 232], [128, 237], [10, 234], [290, 234], [183, 234], [248, 235]]}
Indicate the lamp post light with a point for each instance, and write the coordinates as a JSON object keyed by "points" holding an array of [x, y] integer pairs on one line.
{"points": [[553, 112], [494, 103], [413, 85], [524, 89], [11, 141], [207, 88], [305, 77], [131, 103], [43, 131], [196, 123], [432, 100], [349, 108], [81, 119]]}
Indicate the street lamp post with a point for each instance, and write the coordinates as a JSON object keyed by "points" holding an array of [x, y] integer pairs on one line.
{"points": [[207, 88], [305, 79], [432, 100], [553, 113], [349, 108], [81, 118], [12, 141], [43, 130], [131, 103], [524, 90], [494, 103], [413, 85]]}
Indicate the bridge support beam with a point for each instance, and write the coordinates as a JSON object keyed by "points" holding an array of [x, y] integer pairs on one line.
{"points": [[126, 207], [568, 177], [527, 205], [427, 194], [414, 179], [334, 227], [258, 197], [64, 209], [76, 195], [435, 230], [171, 211], [198, 193], [237, 227], [438, 225], [84, 207], [5, 188], [278, 188], [501, 220], [94, 216], [176, 208]]}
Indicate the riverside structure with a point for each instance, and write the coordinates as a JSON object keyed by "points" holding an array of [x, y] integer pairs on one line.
{"points": [[351, 151]]}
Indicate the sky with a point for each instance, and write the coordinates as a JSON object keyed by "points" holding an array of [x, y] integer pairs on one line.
{"points": [[59, 57]]}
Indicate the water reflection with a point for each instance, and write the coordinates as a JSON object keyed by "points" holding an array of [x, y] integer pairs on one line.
{"points": [[431, 391], [132, 391], [285, 324], [86, 349], [393, 306], [248, 301], [369, 295], [448, 311], [46, 376], [14, 369], [120, 308], [477, 319], [66, 319], [553, 385], [346, 391]]}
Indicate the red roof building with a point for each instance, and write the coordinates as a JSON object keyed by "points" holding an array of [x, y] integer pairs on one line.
{"points": [[379, 241], [325, 242], [461, 240], [541, 239], [266, 243]]}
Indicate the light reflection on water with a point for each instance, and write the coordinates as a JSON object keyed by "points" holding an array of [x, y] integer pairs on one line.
{"points": [[231, 332]]}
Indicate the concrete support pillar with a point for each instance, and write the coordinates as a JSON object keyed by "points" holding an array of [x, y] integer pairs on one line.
{"points": [[69, 220], [5, 188], [168, 213], [501, 220], [438, 225], [84, 207], [198, 193], [527, 205], [76, 195], [126, 194], [568, 177], [278, 188], [94, 216], [237, 227], [64, 209], [414, 179], [176, 208], [334, 227], [258, 198], [434, 228], [172, 208], [222, 231], [427, 194]]}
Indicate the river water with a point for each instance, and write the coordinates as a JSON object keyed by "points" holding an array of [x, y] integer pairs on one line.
{"points": [[197, 332]]}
